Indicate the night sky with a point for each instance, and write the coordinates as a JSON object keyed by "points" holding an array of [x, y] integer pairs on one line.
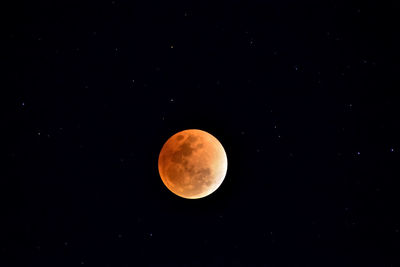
{"points": [[301, 94]]}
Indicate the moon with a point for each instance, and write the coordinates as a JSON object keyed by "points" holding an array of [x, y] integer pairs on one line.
{"points": [[192, 164]]}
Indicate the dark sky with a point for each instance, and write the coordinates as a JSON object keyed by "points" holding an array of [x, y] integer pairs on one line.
{"points": [[302, 95]]}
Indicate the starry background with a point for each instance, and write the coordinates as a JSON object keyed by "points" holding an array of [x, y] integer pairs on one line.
{"points": [[302, 95]]}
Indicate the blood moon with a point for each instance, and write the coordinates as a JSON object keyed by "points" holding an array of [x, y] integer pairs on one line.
{"points": [[192, 164]]}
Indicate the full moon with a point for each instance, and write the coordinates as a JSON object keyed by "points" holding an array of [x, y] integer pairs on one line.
{"points": [[192, 164]]}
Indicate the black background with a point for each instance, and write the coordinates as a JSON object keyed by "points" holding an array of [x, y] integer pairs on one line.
{"points": [[302, 95]]}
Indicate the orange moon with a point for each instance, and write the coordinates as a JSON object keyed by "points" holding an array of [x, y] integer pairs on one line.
{"points": [[192, 164]]}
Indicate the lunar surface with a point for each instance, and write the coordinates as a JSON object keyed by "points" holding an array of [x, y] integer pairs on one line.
{"points": [[192, 164]]}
